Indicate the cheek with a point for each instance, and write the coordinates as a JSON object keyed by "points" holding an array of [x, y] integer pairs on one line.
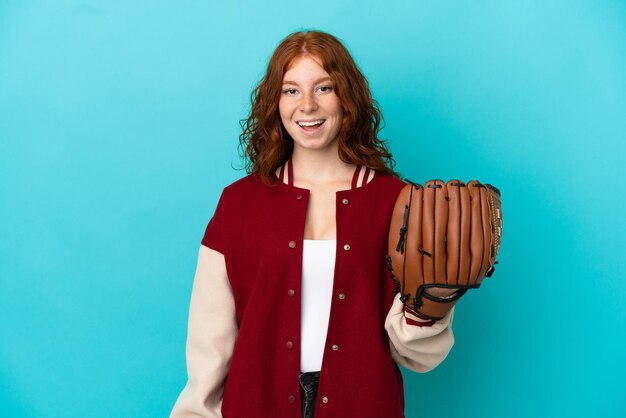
{"points": [[336, 108], [340, 112], [284, 110], [338, 116], [340, 119]]}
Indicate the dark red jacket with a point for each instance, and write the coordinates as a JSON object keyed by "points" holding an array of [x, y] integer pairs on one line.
{"points": [[260, 231]]}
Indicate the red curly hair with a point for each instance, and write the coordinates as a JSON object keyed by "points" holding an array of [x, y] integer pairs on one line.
{"points": [[264, 140]]}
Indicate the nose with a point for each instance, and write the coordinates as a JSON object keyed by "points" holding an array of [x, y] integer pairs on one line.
{"points": [[308, 103]]}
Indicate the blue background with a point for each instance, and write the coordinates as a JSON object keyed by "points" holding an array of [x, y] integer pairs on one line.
{"points": [[118, 130]]}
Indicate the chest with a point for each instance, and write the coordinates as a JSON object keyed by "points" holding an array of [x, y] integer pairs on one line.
{"points": [[320, 222]]}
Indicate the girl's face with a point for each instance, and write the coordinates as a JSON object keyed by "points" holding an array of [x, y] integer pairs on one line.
{"points": [[309, 108]]}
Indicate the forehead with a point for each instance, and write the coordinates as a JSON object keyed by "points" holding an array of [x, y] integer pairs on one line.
{"points": [[305, 68]]}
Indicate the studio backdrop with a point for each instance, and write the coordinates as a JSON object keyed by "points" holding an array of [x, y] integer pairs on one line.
{"points": [[119, 126]]}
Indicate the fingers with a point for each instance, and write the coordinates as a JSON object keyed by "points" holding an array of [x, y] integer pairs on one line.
{"points": [[480, 231], [397, 236], [414, 267], [405, 239], [434, 224], [458, 234]]}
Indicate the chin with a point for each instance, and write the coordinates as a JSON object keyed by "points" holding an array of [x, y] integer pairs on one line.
{"points": [[313, 143]]}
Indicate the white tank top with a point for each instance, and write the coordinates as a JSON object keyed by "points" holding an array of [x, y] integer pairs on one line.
{"points": [[318, 271]]}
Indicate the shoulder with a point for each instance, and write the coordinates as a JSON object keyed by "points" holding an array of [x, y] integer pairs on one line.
{"points": [[390, 184], [246, 189], [244, 184], [390, 180], [241, 183]]}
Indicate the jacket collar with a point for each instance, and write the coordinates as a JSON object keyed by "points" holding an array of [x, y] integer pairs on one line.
{"points": [[362, 175]]}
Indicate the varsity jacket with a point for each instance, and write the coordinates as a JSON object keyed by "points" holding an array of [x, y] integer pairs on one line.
{"points": [[243, 353]]}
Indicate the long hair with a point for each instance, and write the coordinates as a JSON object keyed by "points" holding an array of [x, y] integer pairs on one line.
{"points": [[264, 142]]}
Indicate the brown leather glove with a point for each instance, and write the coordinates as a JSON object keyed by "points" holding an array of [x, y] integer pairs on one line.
{"points": [[443, 235]]}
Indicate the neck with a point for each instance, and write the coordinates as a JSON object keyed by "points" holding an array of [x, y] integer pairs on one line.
{"points": [[320, 166]]}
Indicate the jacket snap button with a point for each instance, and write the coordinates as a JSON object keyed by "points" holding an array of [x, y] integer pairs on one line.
{"points": [[342, 296], [292, 244], [291, 399], [335, 347], [344, 201], [325, 399], [298, 196], [345, 247], [289, 345], [291, 293]]}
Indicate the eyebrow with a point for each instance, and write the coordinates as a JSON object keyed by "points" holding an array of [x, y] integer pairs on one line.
{"points": [[316, 81]]}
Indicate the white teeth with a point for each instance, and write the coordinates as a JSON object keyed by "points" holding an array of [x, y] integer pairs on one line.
{"points": [[317, 122]]}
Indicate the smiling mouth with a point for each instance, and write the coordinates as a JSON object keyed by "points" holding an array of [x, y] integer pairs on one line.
{"points": [[311, 127]]}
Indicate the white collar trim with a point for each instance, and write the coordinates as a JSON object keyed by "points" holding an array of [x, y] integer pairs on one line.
{"points": [[362, 175]]}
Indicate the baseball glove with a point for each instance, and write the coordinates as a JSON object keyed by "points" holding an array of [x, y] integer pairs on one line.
{"points": [[444, 235]]}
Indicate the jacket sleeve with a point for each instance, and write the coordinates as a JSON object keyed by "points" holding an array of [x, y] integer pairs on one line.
{"points": [[212, 331], [418, 344]]}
